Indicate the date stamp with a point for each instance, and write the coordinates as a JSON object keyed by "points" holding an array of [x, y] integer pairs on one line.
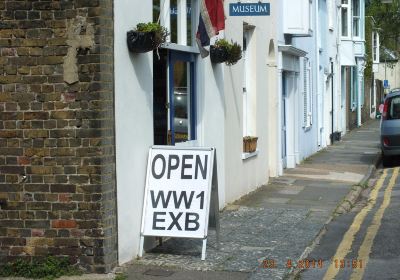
{"points": [[354, 264], [312, 264], [299, 264]]}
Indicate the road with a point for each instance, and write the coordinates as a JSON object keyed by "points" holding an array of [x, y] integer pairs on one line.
{"points": [[365, 243]]}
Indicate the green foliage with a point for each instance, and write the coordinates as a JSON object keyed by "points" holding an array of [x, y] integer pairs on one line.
{"points": [[50, 268], [121, 277], [368, 48], [387, 18], [234, 51], [222, 43], [161, 32]]}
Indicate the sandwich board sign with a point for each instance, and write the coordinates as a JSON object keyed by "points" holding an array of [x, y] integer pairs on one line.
{"points": [[180, 184]]}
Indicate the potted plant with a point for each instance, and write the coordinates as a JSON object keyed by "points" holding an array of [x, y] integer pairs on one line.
{"points": [[146, 37], [249, 144], [223, 51]]}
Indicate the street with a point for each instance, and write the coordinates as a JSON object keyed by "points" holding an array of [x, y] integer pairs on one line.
{"points": [[365, 243]]}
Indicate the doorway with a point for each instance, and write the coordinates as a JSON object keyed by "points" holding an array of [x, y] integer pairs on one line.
{"points": [[174, 104]]}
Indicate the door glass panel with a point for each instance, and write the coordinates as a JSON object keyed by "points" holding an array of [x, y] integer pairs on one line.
{"points": [[181, 101]]}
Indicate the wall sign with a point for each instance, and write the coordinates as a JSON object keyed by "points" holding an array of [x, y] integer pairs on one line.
{"points": [[385, 83], [178, 193], [249, 9]]}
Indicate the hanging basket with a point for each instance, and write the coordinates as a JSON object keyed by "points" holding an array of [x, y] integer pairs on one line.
{"points": [[141, 42], [218, 54]]}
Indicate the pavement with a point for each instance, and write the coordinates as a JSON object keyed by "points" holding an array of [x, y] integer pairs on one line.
{"points": [[276, 225]]}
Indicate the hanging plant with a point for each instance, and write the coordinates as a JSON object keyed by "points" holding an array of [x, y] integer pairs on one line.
{"points": [[218, 53], [223, 51], [146, 37]]}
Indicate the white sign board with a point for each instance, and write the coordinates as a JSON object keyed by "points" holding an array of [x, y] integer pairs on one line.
{"points": [[177, 194]]}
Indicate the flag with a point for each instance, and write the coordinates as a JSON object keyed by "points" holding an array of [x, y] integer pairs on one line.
{"points": [[211, 21]]}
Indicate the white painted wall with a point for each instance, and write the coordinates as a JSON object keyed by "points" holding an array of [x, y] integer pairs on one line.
{"points": [[392, 74], [134, 124], [244, 176]]}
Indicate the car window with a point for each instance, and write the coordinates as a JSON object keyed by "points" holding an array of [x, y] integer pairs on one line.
{"points": [[394, 108]]}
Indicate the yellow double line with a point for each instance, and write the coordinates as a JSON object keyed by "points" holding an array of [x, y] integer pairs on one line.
{"points": [[365, 249]]}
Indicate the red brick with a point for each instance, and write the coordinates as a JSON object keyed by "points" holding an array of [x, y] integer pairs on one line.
{"points": [[24, 160], [63, 224], [37, 232], [64, 197]]}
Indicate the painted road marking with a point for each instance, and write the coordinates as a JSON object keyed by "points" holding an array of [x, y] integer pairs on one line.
{"points": [[348, 238], [365, 249]]}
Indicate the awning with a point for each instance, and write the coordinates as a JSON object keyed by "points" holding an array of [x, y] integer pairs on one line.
{"points": [[347, 59], [289, 49]]}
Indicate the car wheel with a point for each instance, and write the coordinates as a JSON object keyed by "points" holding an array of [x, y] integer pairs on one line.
{"points": [[386, 161]]}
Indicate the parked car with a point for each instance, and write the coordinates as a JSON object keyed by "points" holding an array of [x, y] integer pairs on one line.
{"points": [[390, 128]]}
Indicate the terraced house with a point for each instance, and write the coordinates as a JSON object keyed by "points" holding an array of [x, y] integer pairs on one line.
{"points": [[79, 111]]}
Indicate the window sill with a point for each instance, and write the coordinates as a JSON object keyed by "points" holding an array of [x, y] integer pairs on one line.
{"points": [[249, 155]]}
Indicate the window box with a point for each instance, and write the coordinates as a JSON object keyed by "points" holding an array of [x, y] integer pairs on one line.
{"points": [[249, 144]]}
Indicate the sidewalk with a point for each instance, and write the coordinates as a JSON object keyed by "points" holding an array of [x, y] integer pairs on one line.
{"points": [[277, 222]]}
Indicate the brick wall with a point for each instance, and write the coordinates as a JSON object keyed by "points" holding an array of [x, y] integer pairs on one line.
{"points": [[57, 162]]}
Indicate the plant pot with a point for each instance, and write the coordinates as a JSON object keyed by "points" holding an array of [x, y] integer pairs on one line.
{"points": [[218, 54], [249, 144], [140, 42]]}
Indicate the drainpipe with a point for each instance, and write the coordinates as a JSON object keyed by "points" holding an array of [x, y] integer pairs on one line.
{"points": [[339, 78], [332, 105], [359, 92], [319, 96]]}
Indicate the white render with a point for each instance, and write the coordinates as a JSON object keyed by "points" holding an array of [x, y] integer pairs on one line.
{"points": [[392, 73]]}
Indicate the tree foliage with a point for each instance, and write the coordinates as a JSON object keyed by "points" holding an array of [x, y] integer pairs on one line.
{"points": [[387, 19]]}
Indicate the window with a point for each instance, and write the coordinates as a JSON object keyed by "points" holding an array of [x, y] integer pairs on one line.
{"points": [[249, 92], [375, 47], [345, 18], [174, 74], [356, 18], [394, 108], [307, 93], [178, 16]]}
